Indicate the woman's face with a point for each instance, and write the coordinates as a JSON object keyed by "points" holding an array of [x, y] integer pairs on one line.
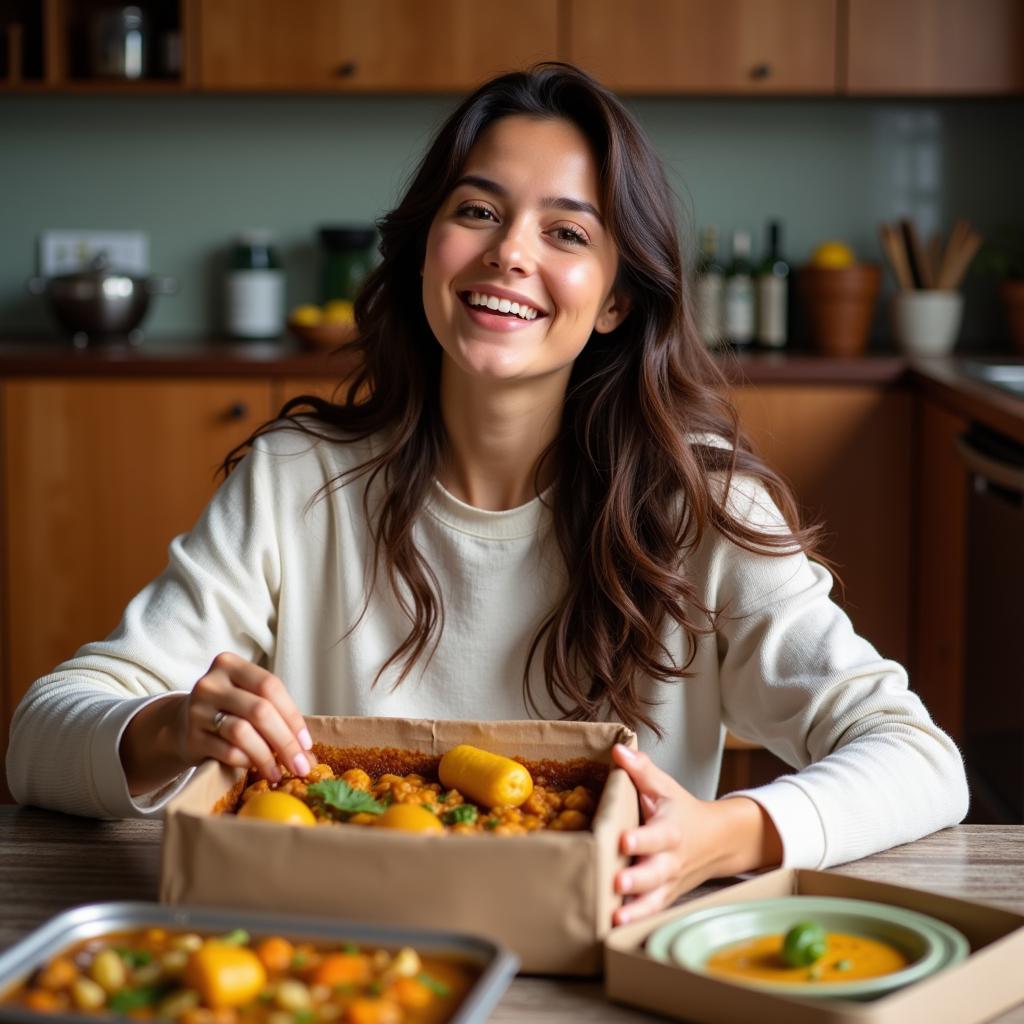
{"points": [[519, 268]]}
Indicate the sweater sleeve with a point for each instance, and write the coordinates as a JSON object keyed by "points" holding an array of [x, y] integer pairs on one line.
{"points": [[873, 769], [218, 593]]}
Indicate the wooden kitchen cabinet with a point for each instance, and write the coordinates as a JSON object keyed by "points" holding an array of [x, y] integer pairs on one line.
{"points": [[846, 451], [940, 564], [934, 47], [355, 46], [752, 47], [99, 475]]}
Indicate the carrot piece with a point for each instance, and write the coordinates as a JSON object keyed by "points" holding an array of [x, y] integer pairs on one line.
{"points": [[372, 1011], [275, 953], [342, 969]]}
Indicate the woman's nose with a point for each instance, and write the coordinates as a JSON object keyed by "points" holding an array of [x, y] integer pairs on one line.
{"points": [[511, 251]]}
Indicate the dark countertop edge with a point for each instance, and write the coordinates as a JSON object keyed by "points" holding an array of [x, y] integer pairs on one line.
{"points": [[214, 358], [940, 379], [944, 381], [219, 358]]}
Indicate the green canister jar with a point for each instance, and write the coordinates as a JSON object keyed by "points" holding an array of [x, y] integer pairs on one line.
{"points": [[347, 259]]}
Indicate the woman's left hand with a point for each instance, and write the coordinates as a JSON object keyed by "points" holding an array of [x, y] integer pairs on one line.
{"points": [[685, 841]]}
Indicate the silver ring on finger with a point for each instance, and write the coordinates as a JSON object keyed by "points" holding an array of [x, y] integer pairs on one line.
{"points": [[217, 721]]}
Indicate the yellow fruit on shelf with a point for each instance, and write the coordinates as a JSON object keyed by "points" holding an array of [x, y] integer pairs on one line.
{"points": [[339, 311], [410, 818], [271, 805], [834, 255], [307, 316]]}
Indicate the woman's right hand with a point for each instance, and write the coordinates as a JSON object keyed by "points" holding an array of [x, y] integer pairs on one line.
{"points": [[238, 713]]}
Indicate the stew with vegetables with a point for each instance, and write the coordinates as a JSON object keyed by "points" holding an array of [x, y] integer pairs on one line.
{"points": [[188, 978], [467, 791]]}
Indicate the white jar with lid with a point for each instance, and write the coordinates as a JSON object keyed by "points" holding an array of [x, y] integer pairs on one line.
{"points": [[254, 288]]}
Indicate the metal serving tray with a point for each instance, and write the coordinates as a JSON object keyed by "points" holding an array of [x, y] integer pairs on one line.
{"points": [[498, 964]]}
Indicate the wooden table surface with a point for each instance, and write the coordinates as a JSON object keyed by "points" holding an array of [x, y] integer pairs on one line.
{"points": [[49, 862]]}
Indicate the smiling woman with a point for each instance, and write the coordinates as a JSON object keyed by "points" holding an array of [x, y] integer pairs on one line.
{"points": [[532, 498]]}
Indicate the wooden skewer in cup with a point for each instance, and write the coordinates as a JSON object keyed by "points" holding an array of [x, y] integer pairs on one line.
{"points": [[960, 260], [892, 246]]}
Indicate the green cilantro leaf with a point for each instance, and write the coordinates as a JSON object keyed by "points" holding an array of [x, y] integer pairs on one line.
{"points": [[127, 999], [463, 814], [337, 793], [238, 937], [439, 988], [133, 957]]}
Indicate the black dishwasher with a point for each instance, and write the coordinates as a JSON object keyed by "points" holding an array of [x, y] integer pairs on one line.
{"points": [[994, 641]]}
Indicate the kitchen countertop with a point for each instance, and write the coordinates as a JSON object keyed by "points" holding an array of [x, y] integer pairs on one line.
{"points": [[941, 379], [218, 357], [55, 861]]}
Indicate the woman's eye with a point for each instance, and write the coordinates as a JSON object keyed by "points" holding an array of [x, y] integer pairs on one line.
{"points": [[475, 212], [573, 236]]}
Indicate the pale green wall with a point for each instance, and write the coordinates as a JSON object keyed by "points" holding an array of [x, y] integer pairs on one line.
{"points": [[192, 170]]}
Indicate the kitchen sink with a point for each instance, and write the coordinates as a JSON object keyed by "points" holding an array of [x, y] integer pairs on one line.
{"points": [[1006, 376]]}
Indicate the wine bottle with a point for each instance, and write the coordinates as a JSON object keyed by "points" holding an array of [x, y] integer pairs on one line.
{"points": [[739, 293], [709, 286], [773, 280]]}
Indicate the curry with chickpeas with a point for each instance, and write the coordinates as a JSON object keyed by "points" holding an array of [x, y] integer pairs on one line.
{"points": [[188, 978], [467, 791]]}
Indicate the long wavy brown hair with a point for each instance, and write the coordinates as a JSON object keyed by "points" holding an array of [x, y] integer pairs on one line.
{"points": [[639, 478]]}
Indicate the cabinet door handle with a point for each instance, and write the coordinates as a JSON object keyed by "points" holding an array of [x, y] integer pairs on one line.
{"points": [[759, 72], [347, 69], [238, 411]]}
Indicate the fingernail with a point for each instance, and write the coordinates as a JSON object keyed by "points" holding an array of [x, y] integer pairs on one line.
{"points": [[274, 775], [625, 883], [626, 750], [305, 739], [301, 764]]}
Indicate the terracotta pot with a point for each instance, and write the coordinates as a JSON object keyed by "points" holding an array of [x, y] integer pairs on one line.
{"points": [[839, 304], [1012, 293]]}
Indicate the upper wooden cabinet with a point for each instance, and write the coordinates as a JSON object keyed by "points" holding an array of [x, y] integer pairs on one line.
{"points": [[360, 46], [699, 46], [935, 47]]}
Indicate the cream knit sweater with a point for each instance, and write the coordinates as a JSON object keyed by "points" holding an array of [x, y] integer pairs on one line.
{"points": [[279, 579]]}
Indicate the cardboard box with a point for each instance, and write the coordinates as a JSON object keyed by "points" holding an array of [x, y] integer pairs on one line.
{"points": [[988, 982], [548, 895]]}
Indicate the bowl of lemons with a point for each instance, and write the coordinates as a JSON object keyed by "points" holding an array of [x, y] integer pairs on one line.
{"points": [[326, 326]]}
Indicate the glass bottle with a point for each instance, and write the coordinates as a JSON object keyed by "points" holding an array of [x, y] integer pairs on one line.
{"points": [[773, 278], [254, 288], [739, 293], [709, 289], [347, 259]]}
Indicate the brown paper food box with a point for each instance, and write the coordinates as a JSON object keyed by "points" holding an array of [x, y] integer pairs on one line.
{"points": [[988, 982], [548, 895]]}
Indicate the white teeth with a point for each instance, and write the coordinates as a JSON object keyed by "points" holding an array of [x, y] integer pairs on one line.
{"points": [[520, 310]]}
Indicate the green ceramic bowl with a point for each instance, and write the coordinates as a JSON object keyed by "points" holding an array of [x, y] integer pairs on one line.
{"points": [[929, 944]]}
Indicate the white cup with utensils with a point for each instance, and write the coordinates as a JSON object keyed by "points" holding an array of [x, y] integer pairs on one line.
{"points": [[926, 321]]}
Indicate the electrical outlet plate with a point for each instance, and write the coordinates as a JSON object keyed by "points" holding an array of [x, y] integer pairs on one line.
{"points": [[64, 252]]}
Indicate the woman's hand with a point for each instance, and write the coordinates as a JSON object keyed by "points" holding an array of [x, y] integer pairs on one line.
{"points": [[685, 841], [238, 713]]}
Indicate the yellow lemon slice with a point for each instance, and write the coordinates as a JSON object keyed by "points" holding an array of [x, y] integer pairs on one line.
{"points": [[307, 316], [340, 311], [834, 255], [410, 818], [271, 805]]}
